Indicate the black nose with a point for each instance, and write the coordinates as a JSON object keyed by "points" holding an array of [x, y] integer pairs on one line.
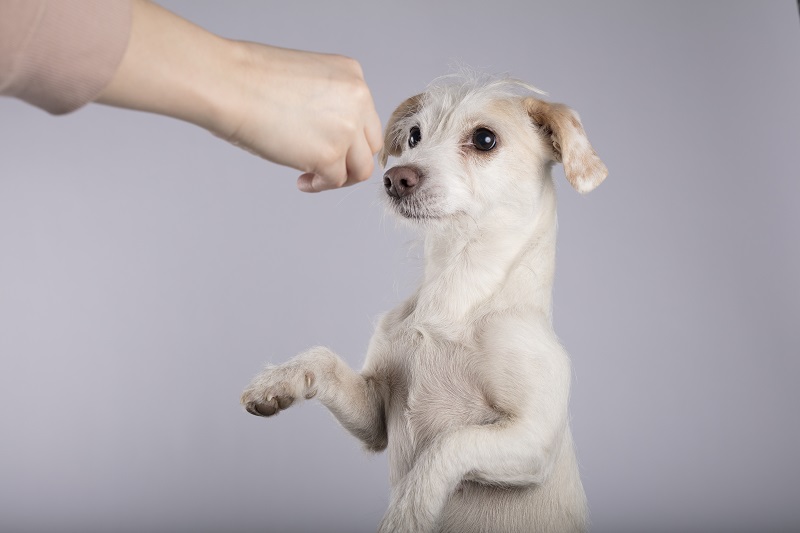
{"points": [[401, 181]]}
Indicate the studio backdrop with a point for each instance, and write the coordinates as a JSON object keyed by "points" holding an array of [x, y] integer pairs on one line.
{"points": [[148, 270]]}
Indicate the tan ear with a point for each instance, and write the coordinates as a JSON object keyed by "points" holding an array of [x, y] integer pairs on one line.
{"points": [[582, 166], [391, 140]]}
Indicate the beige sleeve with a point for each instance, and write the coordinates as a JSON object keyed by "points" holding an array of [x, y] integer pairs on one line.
{"points": [[60, 54]]}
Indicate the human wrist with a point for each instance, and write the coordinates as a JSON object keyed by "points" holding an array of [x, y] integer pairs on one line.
{"points": [[224, 97]]}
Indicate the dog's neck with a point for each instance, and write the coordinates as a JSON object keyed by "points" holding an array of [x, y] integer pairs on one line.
{"points": [[506, 258]]}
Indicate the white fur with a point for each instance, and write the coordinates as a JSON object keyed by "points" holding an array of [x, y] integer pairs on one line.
{"points": [[465, 382]]}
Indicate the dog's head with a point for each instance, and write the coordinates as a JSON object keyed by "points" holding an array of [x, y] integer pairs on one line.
{"points": [[467, 145]]}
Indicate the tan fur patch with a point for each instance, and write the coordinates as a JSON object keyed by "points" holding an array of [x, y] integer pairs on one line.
{"points": [[582, 166], [391, 140]]}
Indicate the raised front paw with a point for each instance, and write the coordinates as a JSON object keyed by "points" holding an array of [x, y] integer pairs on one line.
{"points": [[278, 387]]}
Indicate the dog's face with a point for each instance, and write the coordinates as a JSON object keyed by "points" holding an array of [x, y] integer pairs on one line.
{"points": [[462, 149]]}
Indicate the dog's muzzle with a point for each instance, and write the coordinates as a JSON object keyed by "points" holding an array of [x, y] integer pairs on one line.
{"points": [[401, 181]]}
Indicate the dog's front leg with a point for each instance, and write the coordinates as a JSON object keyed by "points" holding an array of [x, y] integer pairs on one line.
{"points": [[505, 453], [417, 502], [356, 400]]}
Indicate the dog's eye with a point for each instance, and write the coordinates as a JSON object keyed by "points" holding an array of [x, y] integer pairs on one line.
{"points": [[414, 137], [484, 139]]}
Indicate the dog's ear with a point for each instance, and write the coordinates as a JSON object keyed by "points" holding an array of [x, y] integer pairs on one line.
{"points": [[391, 140], [561, 126]]}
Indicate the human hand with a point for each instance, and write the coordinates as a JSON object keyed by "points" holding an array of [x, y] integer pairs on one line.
{"points": [[312, 112]]}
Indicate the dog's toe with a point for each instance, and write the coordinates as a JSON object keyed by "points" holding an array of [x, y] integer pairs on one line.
{"points": [[262, 408], [267, 409], [285, 401]]}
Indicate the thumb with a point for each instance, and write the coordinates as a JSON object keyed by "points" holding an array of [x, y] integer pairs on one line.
{"points": [[306, 182]]}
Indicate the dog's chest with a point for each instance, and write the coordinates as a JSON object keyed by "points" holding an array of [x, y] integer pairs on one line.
{"points": [[443, 385]]}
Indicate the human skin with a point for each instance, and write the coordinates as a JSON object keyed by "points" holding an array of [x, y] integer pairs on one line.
{"points": [[309, 111]]}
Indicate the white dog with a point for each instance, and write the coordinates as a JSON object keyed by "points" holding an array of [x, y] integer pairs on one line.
{"points": [[466, 382]]}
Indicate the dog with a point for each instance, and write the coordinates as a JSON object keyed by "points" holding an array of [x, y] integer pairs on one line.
{"points": [[466, 383]]}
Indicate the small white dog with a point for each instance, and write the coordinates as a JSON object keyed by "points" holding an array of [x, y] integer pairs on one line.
{"points": [[466, 382]]}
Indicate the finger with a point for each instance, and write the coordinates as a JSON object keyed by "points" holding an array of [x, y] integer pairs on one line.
{"points": [[306, 182], [360, 162], [310, 182], [323, 180], [331, 177]]}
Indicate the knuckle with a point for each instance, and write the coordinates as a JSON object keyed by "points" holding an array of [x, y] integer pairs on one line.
{"points": [[361, 174], [359, 90], [351, 66], [361, 98], [328, 156]]}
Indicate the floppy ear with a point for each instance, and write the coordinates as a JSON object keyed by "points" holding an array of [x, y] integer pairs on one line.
{"points": [[561, 125], [391, 140]]}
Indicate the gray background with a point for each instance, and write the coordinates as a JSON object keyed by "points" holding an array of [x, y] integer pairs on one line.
{"points": [[148, 270]]}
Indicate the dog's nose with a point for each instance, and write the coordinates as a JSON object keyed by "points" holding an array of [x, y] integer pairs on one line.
{"points": [[401, 181]]}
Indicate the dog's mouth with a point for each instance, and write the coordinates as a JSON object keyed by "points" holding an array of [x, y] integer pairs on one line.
{"points": [[416, 207]]}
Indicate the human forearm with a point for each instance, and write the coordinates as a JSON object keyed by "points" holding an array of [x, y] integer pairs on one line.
{"points": [[172, 67]]}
